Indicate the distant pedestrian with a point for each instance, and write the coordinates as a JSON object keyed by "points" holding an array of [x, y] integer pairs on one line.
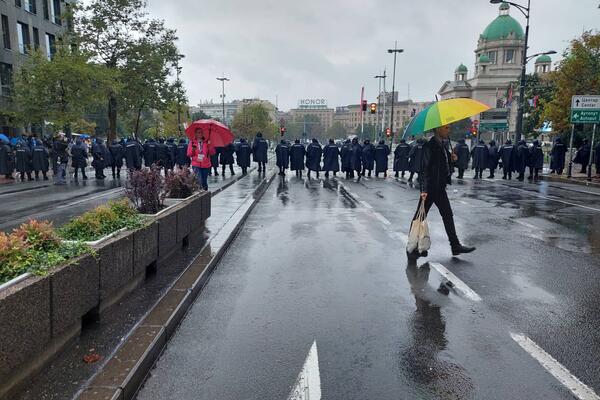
{"points": [[557, 160], [434, 176], [297, 153], [99, 161], [536, 160], [259, 152], [7, 164], [368, 158], [242, 155], [79, 158], [507, 154], [331, 158], [200, 151], [313, 157], [117, 153], [415, 156], [182, 160], [162, 154], [226, 159], [346, 158], [583, 156], [61, 149], [401, 164], [521, 159], [462, 157], [40, 159], [133, 154], [492, 161], [282, 154], [382, 151], [171, 154], [23, 161], [479, 154], [597, 158], [356, 156], [151, 152]]}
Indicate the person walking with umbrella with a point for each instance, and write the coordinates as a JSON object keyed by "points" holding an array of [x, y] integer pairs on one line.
{"points": [[200, 151]]}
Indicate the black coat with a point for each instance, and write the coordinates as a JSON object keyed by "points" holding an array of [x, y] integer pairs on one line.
{"points": [[508, 155], [434, 174], [462, 155], [259, 150], [214, 159], [559, 150], [7, 159], [356, 156], [415, 155], [133, 154], [480, 154], [522, 157], [536, 156], [597, 158], [40, 158], [297, 153], [282, 151], [23, 158], [60, 149], [79, 154], [583, 155], [313, 157], [182, 158], [171, 154], [162, 154], [331, 158], [227, 155], [368, 158], [401, 153], [492, 160], [116, 155], [346, 156], [150, 152], [243, 155], [382, 151], [99, 156]]}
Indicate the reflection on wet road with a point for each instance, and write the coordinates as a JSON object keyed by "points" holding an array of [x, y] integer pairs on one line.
{"points": [[323, 261]]}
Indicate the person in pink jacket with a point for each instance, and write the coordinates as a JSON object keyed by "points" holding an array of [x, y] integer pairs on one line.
{"points": [[200, 150]]}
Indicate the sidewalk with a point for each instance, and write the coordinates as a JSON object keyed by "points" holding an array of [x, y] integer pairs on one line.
{"points": [[577, 178]]}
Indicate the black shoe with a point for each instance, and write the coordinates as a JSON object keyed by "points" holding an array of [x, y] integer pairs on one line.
{"points": [[443, 289], [460, 249], [396, 175], [412, 257]]}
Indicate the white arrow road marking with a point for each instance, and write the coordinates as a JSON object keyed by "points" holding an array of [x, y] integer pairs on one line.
{"points": [[308, 383], [556, 369], [458, 284]]}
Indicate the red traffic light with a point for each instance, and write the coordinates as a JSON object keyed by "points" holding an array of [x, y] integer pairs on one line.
{"points": [[364, 105], [388, 132], [373, 108], [282, 130]]}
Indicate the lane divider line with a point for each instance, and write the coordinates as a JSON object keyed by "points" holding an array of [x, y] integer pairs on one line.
{"points": [[458, 284], [308, 383], [556, 369]]}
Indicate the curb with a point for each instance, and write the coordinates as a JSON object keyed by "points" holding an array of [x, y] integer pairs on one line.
{"points": [[126, 369], [570, 181]]}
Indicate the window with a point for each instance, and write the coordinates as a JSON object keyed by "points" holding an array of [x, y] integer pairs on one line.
{"points": [[30, 6], [492, 56], [50, 45], [509, 56], [55, 11], [5, 78], [24, 39], [46, 10], [5, 32], [36, 38], [18, 3]]}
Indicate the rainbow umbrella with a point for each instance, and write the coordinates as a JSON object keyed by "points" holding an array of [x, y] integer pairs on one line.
{"points": [[443, 113]]}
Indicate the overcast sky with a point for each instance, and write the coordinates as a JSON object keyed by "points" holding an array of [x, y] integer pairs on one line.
{"points": [[330, 48]]}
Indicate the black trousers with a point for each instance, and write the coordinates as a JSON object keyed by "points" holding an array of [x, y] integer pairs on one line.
{"points": [[507, 173], [116, 170], [441, 201], [461, 173], [82, 172], [262, 167], [230, 169]]}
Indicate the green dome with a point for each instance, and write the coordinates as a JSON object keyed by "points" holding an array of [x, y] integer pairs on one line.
{"points": [[543, 59], [461, 68], [503, 27], [484, 59]]}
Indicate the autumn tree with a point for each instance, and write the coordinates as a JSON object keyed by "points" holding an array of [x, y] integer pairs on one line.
{"points": [[254, 118]]}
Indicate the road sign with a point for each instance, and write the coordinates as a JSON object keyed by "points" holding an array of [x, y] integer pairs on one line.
{"points": [[493, 125], [585, 110]]}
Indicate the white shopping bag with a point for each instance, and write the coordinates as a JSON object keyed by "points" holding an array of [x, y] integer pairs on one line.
{"points": [[418, 237]]}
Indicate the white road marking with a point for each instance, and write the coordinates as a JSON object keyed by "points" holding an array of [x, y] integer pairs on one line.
{"points": [[556, 369], [381, 218], [308, 383], [364, 203], [527, 224], [540, 196], [458, 284]]}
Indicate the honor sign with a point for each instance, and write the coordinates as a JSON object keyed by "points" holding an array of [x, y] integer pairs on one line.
{"points": [[312, 103]]}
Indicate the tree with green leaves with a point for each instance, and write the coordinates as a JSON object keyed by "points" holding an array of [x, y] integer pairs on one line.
{"points": [[337, 131], [253, 118], [578, 73], [119, 35], [59, 90], [539, 91]]}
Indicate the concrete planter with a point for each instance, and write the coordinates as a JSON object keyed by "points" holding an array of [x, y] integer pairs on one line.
{"points": [[115, 260], [145, 247]]}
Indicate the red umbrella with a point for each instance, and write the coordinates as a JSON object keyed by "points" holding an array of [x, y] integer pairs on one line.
{"points": [[218, 134]]}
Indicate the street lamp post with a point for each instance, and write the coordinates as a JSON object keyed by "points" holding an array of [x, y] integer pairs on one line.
{"points": [[178, 69], [380, 77], [223, 79], [394, 51]]}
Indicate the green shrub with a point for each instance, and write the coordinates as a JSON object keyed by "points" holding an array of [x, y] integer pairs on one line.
{"points": [[102, 221]]}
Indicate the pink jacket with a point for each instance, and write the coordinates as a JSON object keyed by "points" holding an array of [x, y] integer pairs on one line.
{"points": [[200, 153]]}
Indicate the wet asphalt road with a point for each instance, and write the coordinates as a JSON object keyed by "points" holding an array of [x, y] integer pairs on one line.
{"points": [[323, 261]]}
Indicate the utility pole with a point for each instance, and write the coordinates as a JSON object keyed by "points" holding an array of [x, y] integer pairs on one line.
{"points": [[223, 79], [178, 70], [379, 133], [393, 51], [384, 102]]}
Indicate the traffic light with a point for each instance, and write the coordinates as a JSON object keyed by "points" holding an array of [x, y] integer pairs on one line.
{"points": [[282, 130], [373, 108], [388, 132], [364, 105]]}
